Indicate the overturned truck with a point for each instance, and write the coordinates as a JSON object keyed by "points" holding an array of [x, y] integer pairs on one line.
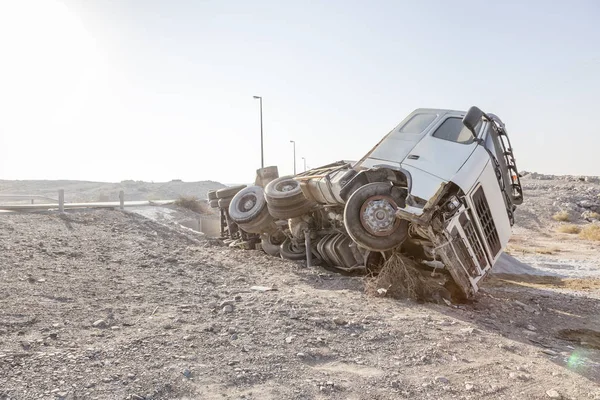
{"points": [[441, 188]]}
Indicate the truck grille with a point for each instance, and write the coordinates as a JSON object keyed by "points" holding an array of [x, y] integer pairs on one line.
{"points": [[487, 222], [463, 254], [473, 239]]}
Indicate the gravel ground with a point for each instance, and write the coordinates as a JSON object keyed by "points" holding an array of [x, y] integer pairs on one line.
{"points": [[110, 305]]}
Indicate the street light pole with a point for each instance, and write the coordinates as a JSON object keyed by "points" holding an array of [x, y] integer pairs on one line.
{"points": [[294, 143], [304, 163], [262, 153]]}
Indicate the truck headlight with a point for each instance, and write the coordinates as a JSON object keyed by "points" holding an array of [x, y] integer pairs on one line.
{"points": [[453, 203]]}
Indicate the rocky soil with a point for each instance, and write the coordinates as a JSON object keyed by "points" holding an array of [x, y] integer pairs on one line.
{"points": [[111, 305]]}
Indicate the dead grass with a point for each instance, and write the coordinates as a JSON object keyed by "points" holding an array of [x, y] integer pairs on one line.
{"points": [[562, 216], [512, 249], [590, 232], [400, 277], [569, 228], [594, 215], [542, 282], [193, 203]]}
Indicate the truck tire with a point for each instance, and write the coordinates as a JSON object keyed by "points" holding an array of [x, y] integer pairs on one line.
{"points": [[369, 217], [214, 203], [291, 251], [229, 192], [247, 204], [212, 195], [285, 199], [269, 246]]}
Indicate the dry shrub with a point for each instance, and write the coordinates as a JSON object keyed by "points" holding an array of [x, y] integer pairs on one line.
{"points": [[569, 228], [534, 250], [400, 277], [193, 203], [594, 215], [562, 216], [590, 232]]}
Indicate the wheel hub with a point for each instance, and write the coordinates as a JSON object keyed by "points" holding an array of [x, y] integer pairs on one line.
{"points": [[248, 203], [287, 186], [378, 215]]}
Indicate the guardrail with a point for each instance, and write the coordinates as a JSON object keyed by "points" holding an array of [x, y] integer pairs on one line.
{"points": [[62, 205]]}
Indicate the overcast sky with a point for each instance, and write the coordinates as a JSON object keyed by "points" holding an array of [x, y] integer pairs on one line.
{"points": [[161, 90]]}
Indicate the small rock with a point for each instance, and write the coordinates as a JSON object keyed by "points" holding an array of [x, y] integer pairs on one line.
{"points": [[231, 329], [339, 321], [106, 380], [469, 386], [188, 337], [228, 308], [549, 352], [531, 328], [289, 339], [213, 304], [553, 394], [233, 337], [62, 394], [227, 302], [100, 324], [262, 288], [525, 307], [442, 379], [301, 355], [131, 376], [187, 373]]}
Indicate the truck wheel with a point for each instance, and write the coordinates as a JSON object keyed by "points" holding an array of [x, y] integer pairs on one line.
{"points": [[285, 198], [212, 195], [248, 209], [214, 203], [229, 192], [247, 204], [269, 246], [369, 218], [290, 251]]}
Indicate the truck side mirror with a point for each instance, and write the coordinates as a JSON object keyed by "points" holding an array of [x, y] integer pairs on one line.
{"points": [[472, 119]]}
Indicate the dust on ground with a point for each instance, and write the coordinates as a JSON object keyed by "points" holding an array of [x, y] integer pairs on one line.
{"points": [[110, 305]]}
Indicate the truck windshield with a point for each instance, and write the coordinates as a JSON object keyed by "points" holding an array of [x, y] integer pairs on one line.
{"points": [[417, 123]]}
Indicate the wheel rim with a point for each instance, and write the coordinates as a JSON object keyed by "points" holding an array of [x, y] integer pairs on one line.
{"points": [[378, 215], [286, 186], [247, 203]]}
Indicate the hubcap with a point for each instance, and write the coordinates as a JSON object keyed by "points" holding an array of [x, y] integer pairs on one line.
{"points": [[247, 203], [378, 215], [287, 186]]}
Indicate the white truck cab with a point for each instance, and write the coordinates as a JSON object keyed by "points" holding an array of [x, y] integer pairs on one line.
{"points": [[452, 176]]}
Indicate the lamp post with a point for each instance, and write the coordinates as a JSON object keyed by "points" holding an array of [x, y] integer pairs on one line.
{"points": [[262, 154], [304, 159], [294, 143]]}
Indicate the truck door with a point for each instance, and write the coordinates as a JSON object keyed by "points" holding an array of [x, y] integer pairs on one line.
{"points": [[444, 150]]}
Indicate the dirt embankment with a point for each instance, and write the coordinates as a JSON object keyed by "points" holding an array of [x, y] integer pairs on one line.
{"points": [[109, 305]]}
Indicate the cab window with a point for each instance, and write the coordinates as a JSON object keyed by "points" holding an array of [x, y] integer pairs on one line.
{"points": [[453, 130]]}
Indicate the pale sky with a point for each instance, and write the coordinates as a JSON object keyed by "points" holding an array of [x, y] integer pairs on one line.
{"points": [[161, 90]]}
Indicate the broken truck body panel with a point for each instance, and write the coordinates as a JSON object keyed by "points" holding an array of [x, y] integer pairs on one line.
{"points": [[441, 186]]}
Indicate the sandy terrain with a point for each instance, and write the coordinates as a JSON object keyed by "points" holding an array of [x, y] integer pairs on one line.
{"points": [[111, 305]]}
